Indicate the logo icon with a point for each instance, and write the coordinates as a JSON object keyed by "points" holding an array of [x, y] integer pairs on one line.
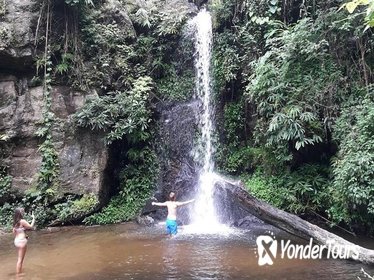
{"points": [[266, 249]]}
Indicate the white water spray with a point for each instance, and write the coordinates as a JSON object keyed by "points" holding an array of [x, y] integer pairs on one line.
{"points": [[205, 218], [203, 44]]}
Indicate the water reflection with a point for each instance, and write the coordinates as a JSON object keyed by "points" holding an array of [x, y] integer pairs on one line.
{"points": [[130, 252]]}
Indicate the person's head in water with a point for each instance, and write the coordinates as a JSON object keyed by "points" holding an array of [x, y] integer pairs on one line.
{"points": [[172, 196], [18, 215]]}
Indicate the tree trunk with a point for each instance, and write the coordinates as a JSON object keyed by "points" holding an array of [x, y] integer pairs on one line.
{"points": [[292, 223]]}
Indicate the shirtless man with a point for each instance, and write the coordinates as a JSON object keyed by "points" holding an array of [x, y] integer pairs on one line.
{"points": [[172, 205]]}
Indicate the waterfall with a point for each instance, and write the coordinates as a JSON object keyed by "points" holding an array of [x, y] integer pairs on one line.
{"points": [[205, 218], [203, 44]]}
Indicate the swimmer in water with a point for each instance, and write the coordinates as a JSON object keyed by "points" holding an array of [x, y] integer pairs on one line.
{"points": [[172, 205]]}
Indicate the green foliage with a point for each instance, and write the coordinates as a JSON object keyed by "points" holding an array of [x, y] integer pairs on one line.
{"points": [[6, 36], [258, 13], [5, 184], [65, 64], [68, 208], [3, 7], [76, 208], [161, 20], [353, 185], [370, 14], [78, 2], [235, 157], [289, 126], [239, 160], [120, 113], [128, 61], [369, 18], [300, 66], [170, 22], [6, 215], [274, 6], [303, 190], [107, 44], [131, 62], [267, 188], [223, 11], [130, 69], [39, 201], [119, 54], [116, 211], [238, 155], [137, 183], [176, 88], [226, 58], [49, 170], [6, 196], [234, 121], [290, 93], [295, 64]]}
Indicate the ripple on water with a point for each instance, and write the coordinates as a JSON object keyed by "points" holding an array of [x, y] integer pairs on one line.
{"points": [[133, 252]]}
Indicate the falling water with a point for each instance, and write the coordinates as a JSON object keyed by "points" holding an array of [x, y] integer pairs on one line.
{"points": [[205, 218], [203, 44]]}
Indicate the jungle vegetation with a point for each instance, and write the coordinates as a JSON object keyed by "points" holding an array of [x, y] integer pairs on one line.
{"points": [[295, 89], [294, 93]]}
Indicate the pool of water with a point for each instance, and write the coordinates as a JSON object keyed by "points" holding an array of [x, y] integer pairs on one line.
{"points": [[128, 251]]}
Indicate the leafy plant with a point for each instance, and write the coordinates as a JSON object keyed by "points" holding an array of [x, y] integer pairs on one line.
{"points": [[176, 88], [3, 7], [301, 191], [369, 18], [353, 185], [266, 188], [75, 208], [286, 90], [66, 63], [49, 171], [79, 2], [119, 113], [5, 184], [6, 215], [138, 179], [226, 59]]}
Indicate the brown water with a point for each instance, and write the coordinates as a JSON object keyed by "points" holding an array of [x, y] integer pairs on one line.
{"points": [[131, 252]]}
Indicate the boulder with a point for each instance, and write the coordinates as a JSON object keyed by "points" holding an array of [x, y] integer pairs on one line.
{"points": [[145, 220]]}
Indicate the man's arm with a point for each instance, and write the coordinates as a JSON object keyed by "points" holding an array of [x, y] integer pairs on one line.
{"points": [[184, 202], [159, 203]]}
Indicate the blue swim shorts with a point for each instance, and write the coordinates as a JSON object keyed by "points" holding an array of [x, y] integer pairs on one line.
{"points": [[171, 226]]}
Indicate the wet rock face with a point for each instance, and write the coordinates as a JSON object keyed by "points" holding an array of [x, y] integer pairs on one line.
{"points": [[82, 154], [17, 24], [178, 131], [179, 171], [21, 107], [200, 3]]}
